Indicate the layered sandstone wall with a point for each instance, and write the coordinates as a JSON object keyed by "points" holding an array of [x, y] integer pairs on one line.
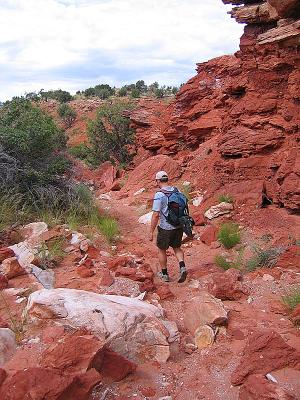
{"points": [[235, 125]]}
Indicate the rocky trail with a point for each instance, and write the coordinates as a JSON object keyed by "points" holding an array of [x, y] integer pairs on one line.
{"points": [[214, 346]]}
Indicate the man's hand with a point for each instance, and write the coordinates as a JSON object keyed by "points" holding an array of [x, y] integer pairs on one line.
{"points": [[151, 236]]}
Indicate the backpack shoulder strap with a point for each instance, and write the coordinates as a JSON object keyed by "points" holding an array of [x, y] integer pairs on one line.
{"points": [[166, 192]]}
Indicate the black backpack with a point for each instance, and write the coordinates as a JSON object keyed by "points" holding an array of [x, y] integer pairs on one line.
{"points": [[178, 211]]}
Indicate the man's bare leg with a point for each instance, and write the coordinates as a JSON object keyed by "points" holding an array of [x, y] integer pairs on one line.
{"points": [[179, 254]]}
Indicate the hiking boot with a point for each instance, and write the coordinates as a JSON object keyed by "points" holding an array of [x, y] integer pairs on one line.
{"points": [[183, 275], [164, 277]]}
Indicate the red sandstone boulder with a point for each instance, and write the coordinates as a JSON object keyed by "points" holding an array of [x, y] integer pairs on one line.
{"points": [[48, 384], [121, 261], [244, 141], [5, 252], [147, 286], [164, 292], [80, 352], [3, 375], [84, 272], [209, 235], [265, 352], [3, 323], [201, 270], [284, 8], [11, 268], [114, 367], [199, 218], [290, 259], [106, 174], [227, 285], [106, 278], [74, 353], [144, 174], [258, 387], [3, 282]]}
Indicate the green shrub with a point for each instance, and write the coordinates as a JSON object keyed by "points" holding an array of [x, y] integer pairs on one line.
{"points": [[223, 262], [107, 225], [135, 93], [110, 133], [159, 93], [81, 151], [51, 253], [226, 198], [67, 114], [229, 235], [27, 133], [60, 95], [292, 298], [123, 92], [263, 257]]}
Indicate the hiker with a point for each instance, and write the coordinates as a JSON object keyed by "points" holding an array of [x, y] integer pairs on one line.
{"points": [[170, 210]]}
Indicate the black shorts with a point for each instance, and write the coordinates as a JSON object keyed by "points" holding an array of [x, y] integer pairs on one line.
{"points": [[169, 238]]}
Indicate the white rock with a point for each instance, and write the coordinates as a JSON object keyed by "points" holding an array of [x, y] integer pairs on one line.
{"points": [[33, 231], [105, 196], [197, 200], [77, 238], [25, 254], [7, 345], [219, 209], [186, 183], [139, 192], [45, 277], [173, 331], [104, 254], [131, 327], [146, 218], [271, 378], [25, 251], [268, 278]]}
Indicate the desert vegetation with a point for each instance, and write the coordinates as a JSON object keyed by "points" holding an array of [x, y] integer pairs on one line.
{"points": [[35, 180], [110, 134], [229, 234]]}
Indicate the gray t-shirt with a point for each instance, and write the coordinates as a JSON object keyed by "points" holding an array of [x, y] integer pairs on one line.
{"points": [[160, 204]]}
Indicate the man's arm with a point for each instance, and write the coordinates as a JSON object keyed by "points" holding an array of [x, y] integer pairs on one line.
{"points": [[154, 222], [155, 216]]}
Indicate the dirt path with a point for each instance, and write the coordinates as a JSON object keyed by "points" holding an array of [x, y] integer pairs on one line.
{"points": [[203, 374]]}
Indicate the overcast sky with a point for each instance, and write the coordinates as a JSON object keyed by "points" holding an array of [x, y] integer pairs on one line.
{"points": [[74, 44]]}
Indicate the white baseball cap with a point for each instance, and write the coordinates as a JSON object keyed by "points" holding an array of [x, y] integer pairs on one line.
{"points": [[160, 175]]}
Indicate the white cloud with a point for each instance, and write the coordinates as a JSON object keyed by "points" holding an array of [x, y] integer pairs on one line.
{"points": [[46, 38]]}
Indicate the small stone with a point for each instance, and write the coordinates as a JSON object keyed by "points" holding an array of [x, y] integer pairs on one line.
{"points": [[146, 218], [11, 268], [140, 191], [8, 345], [204, 337], [268, 278]]}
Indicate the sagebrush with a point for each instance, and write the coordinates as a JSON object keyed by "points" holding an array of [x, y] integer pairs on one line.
{"points": [[229, 234]]}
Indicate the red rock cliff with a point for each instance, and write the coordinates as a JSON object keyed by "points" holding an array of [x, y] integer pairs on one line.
{"points": [[235, 125]]}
